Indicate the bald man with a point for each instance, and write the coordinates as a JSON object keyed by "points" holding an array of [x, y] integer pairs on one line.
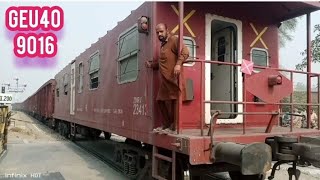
{"points": [[170, 66]]}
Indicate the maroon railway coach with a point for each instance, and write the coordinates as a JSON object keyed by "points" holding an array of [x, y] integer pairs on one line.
{"points": [[226, 117], [41, 103]]}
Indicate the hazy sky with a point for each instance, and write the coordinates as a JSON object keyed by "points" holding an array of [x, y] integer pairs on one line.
{"points": [[290, 54], [84, 23]]}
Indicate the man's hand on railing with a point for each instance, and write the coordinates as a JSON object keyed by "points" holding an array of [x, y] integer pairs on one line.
{"points": [[151, 64], [177, 69], [148, 64]]}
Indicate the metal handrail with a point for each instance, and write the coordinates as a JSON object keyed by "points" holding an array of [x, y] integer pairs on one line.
{"points": [[260, 103], [258, 67], [203, 101]]}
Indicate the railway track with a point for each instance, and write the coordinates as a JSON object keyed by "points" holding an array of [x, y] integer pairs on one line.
{"points": [[91, 146], [218, 176], [98, 155], [79, 142]]}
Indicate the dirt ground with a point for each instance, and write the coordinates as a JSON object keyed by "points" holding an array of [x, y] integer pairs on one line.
{"points": [[35, 148], [35, 151], [307, 173]]}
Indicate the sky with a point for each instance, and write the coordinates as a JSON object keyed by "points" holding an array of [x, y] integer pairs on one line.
{"points": [[84, 23], [290, 54]]}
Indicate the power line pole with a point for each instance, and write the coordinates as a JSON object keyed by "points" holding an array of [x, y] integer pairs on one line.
{"points": [[14, 88], [17, 88]]}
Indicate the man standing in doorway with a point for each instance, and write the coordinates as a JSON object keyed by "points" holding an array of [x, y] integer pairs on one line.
{"points": [[170, 66]]}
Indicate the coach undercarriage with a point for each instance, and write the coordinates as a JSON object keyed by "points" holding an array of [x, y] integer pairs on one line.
{"points": [[243, 161]]}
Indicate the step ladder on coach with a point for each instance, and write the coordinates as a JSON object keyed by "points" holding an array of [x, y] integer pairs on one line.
{"points": [[156, 157]]}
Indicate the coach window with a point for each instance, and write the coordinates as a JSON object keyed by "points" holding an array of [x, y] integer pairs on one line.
{"points": [[260, 58], [65, 84], [72, 75], [80, 88], [191, 45], [94, 70], [128, 56], [57, 92]]}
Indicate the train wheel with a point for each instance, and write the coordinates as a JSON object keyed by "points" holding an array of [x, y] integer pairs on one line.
{"points": [[107, 135], [59, 128], [146, 172], [73, 131], [56, 126], [237, 175], [182, 172], [133, 142], [72, 137], [63, 129], [94, 133]]}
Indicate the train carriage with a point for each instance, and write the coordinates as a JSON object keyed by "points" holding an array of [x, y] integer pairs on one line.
{"points": [[41, 103], [227, 115]]}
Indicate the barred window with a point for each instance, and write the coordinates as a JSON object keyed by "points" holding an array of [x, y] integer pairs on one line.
{"points": [[191, 45], [94, 70], [80, 88], [65, 84], [57, 91], [128, 48], [259, 57]]}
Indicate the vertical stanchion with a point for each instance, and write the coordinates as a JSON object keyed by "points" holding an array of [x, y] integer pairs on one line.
{"points": [[244, 104], [202, 113], [318, 101], [173, 165], [291, 106], [308, 69], [179, 103]]}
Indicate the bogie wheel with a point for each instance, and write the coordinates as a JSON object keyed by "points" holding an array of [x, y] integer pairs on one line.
{"points": [[107, 135], [182, 172], [60, 130], [65, 131], [94, 133], [72, 137], [133, 142]]}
